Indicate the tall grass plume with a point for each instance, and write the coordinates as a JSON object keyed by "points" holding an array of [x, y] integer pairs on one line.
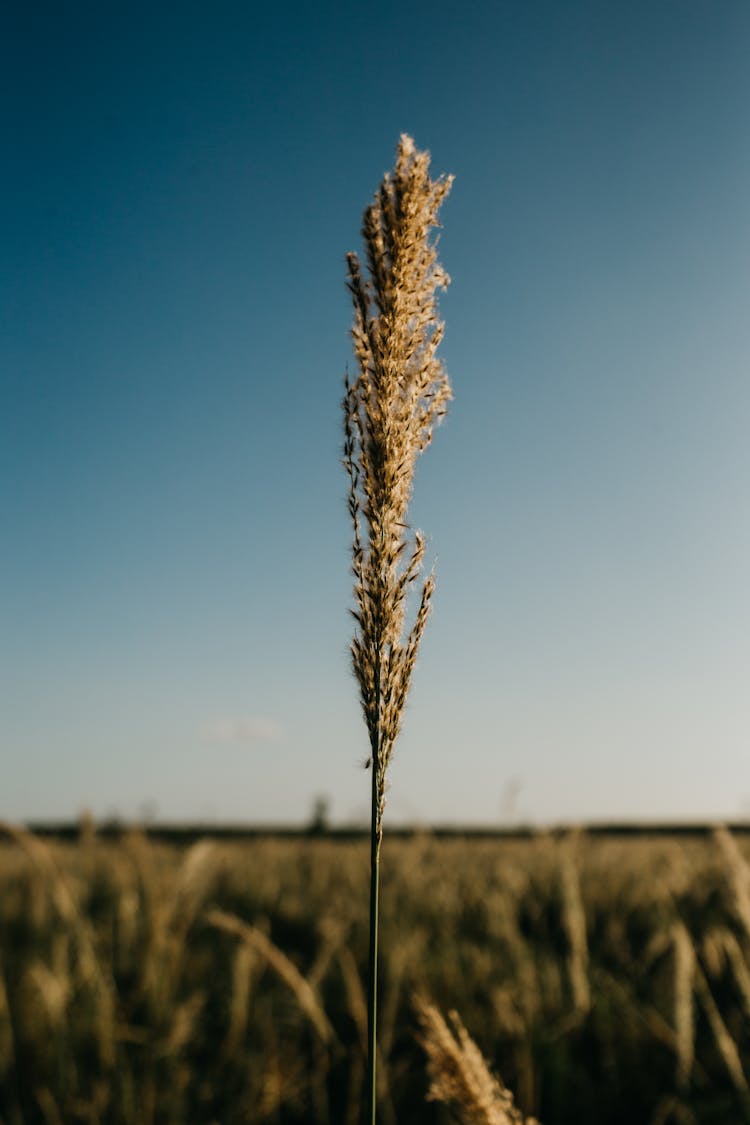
{"points": [[391, 407]]}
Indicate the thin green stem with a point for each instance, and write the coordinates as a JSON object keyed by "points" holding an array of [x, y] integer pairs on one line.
{"points": [[372, 996], [375, 836]]}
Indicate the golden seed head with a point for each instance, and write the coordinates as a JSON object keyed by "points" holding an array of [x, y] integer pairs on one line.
{"points": [[390, 409]]}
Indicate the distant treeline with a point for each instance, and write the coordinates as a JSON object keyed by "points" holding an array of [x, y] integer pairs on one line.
{"points": [[188, 833]]}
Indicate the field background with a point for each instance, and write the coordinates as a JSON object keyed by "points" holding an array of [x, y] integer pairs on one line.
{"points": [[145, 980]]}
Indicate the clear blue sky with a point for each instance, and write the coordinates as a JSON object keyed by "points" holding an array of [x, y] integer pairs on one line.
{"points": [[180, 185]]}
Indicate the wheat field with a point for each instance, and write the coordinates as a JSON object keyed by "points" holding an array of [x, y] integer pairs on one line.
{"points": [[604, 979]]}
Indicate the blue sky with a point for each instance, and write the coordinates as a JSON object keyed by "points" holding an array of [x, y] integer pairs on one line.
{"points": [[181, 184]]}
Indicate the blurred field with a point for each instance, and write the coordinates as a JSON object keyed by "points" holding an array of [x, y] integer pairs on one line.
{"points": [[606, 979]]}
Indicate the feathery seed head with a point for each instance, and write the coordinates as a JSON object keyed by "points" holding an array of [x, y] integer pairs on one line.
{"points": [[390, 410], [459, 1075]]}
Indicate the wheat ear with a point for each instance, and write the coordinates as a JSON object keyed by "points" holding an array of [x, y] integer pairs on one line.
{"points": [[390, 409]]}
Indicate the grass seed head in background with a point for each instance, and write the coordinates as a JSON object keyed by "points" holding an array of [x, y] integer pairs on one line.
{"points": [[459, 1075], [390, 409]]}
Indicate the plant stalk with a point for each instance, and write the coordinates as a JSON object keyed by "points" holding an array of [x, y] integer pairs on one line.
{"points": [[372, 999], [390, 410], [372, 976]]}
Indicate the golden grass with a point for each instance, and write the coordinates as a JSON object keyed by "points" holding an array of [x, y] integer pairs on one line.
{"points": [[285, 969], [725, 1044], [390, 409], [684, 1015], [459, 1075], [574, 919], [738, 872], [123, 1001]]}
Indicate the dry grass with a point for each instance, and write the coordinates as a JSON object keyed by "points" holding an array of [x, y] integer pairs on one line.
{"points": [[574, 919], [459, 1075], [390, 410], [738, 873], [684, 1014], [122, 1001], [285, 969]]}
